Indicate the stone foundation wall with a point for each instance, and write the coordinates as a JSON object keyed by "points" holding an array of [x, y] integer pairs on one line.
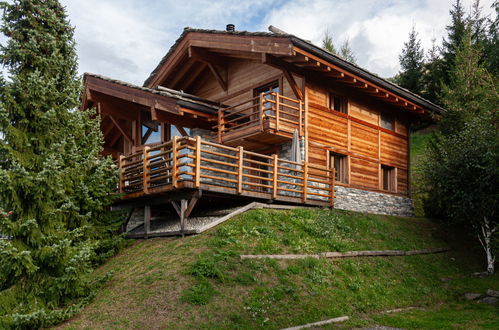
{"points": [[372, 202]]}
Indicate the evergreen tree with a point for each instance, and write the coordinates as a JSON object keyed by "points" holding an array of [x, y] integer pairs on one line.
{"points": [[454, 38], [432, 67], [462, 168], [327, 43], [491, 43], [411, 61], [55, 186], [347, 53]]}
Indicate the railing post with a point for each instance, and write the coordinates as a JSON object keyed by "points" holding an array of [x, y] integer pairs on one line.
{"points": [[305, 181], [197, 168], [145, 170], [276, 111], [174, 162], [221, 126], [333, 176], [300, 119], [120, 167], [262, 110], [275, 176], [240, 170]]}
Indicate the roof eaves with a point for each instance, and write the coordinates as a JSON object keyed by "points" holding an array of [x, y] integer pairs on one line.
{"points": [[334, 59]]}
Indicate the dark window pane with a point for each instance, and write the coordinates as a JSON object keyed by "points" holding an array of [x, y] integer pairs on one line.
{"points": [[387, 121]]}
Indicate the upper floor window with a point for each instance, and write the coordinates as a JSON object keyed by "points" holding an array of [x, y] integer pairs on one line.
{"points": [[272, 87], [340, 163], [338, 103], [387, 121]]}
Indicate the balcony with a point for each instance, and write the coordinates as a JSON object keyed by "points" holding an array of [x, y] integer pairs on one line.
{"points": [[268, 118], [194, 163]]}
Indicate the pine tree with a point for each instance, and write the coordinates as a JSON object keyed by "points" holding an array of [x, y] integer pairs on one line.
{"points": [[55, 186], [455, 35], [462, 168], [491, 43], [431, 83], [347, 53], [327, 43], [411, 61]]}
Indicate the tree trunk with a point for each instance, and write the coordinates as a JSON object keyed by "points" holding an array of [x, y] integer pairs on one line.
{"points": [[485, 240]]}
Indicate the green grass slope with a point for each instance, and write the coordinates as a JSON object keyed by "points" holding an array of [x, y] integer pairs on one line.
{"points": [[200, 281]]}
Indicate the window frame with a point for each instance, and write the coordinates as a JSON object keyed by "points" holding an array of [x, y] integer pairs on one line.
{"points": [[388, 178], [343, 102], [341, 174]]}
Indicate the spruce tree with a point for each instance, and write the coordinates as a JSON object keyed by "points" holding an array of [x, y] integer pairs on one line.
{"points": [[55, 186], [455, 33], [411, 61], [431, 79]]}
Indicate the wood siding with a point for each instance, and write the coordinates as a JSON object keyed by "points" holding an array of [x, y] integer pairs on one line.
{"points": [[357, 135]]}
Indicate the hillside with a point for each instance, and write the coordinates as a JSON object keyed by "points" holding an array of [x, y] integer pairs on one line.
{"points": [[200, 281]]}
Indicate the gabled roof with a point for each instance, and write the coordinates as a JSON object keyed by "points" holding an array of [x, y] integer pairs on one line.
{"points": [[318, 53], [182, 99]]}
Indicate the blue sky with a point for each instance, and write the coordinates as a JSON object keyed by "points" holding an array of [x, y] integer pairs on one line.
{"points": [[125, 39]]}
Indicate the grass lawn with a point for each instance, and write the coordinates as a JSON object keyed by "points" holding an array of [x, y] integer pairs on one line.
{"points": [[200, 281]]}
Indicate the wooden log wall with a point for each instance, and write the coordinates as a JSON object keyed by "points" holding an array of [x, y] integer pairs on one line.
{"points": [[358, 136]]}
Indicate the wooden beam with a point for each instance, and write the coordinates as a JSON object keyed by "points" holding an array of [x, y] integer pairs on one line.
{"points": [[214, 63], [121, 129], [218, 76], [181, 73], [193, 76], [181, 130], [286, 70]]}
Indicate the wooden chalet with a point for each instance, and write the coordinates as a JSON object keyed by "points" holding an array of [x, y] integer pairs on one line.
{"points": [[260, 116]]}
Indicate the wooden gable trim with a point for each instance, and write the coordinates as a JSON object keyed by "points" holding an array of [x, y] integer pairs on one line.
{"points": [[131, 94], [224, 42]]}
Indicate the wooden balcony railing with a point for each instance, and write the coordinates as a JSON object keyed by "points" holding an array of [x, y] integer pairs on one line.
{"points": [[195, 163], [268, 110]]}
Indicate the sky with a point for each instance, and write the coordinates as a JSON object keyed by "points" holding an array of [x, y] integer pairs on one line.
{"points": [[125, 39]]}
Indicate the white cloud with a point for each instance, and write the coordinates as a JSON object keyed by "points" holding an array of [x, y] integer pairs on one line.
{"points": [[376, 29], [125, 39]]}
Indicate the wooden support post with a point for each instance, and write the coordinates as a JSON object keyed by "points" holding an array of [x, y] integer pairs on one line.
{"points": [[240, 170], [147, 220], [275, 176], [221, 125], [276, 111], [120, 166], [174, 162], [145, 170], [333, 175], [183, 208], [305, 181], [197, 168]]}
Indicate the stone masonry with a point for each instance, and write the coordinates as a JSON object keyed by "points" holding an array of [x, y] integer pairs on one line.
{"points": [[372, 202]]}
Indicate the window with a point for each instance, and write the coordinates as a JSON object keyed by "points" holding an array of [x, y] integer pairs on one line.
{"points": [[338, 103], [340, 163], [388, 178], [387, 121]]}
